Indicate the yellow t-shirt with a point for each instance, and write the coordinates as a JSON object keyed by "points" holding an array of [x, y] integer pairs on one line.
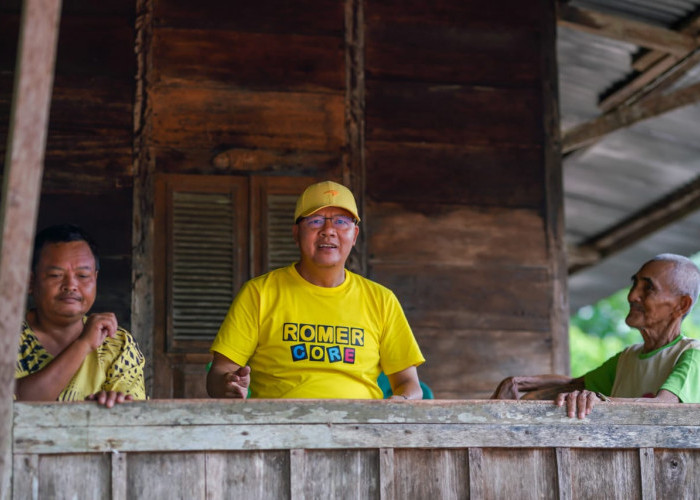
{"points": [[307, 341], [117, 365]]}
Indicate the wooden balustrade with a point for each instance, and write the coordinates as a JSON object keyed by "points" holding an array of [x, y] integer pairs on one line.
{"points": [[354, 449]]}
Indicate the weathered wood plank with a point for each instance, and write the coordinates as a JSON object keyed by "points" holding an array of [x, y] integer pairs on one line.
{"points": [[247, 119], [87, 473], [262, 412], [275, 16], [25, 476], [259, 425], [605, 474], [523, 474], [249, 474], [489, 296], [295, 62], [492, 175], [164, 476], [459, 236], [20, 194], [392, 52], [406, 112], [431, 473], [387, 491], [476, 473], [564, 473], [119, 476], [677, 474], [297, 471], [347, 473], [647, 471]]}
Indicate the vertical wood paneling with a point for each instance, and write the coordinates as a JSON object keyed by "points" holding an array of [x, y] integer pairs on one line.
{"points": [[254, 474], [119, 476], [647, 470], [605, 474], [345, 474], [677, 474], [164, 476], [431, 473], [25, 476], [564, 473], [386, 474], [65, 476], [523, 474]]}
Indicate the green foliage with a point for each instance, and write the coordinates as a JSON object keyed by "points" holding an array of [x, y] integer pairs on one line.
{"points": [[599, 331]]}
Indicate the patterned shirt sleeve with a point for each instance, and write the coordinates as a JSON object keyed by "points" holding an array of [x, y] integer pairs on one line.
{"points": [[125, 362]]}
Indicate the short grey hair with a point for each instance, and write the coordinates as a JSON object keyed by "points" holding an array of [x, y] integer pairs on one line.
{"points": [[685, 275]]}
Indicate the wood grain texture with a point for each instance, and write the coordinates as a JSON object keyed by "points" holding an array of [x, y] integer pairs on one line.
{"points": [[526, 474], [347, 473], [251, 474], [164, 476], [451, 114], [605, 474], [87, 473], [252, 60], [475, 175], [195, 117], [676, 474], [267, 425], [23, 168], [457, 236], [431, 473], [306, 17]]}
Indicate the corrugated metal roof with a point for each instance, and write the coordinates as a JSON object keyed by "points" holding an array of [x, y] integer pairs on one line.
{"points": [[630, 168]]}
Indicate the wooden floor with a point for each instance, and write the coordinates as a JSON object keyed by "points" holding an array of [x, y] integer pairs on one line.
{"points": [[214, 449]]}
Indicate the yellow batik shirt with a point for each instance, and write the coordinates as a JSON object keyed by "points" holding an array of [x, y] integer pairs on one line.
{"points": [[117, 365]]}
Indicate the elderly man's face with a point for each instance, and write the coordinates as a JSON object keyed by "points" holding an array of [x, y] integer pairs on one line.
{"points": [[328, 246], [64, 283], [653, 303]]}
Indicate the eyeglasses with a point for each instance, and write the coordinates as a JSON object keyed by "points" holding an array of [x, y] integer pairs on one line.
{"points": [[340, 222]]}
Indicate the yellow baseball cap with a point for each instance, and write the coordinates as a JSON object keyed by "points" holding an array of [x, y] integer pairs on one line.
{"points": [[325, 194]]}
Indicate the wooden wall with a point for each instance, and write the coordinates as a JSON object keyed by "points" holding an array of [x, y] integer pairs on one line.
{"points": [[462, 208], [441, 116], [88, 163]]}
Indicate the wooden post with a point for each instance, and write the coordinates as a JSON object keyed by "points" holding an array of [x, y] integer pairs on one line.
{"points": [[20, 194]]}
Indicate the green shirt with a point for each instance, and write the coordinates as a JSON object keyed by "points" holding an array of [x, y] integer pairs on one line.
{"points": [[632, 373]]}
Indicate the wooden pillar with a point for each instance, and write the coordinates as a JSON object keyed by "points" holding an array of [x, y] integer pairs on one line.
{"points": [[20, 194]]}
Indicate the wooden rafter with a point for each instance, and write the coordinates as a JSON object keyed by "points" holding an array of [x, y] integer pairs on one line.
{"points": [[667, 210], [592, 131], [644, 61], [626, 30]]}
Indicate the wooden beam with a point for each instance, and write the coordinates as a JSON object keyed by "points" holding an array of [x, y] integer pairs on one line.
{"points": [[626, 30], [660, 76], [24, 159], [663, 212], [594, 130], [691, 26]]}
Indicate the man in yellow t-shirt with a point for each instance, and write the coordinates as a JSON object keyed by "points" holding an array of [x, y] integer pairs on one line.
{"points": [[314, 329], [64, 353]]}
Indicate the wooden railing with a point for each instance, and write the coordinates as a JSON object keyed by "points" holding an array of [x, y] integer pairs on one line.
{"points": [[354, 449]]}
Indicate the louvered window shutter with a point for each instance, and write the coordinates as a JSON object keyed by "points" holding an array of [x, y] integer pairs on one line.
{"points": [[281, 249], [203, 263], [206, 255]]}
